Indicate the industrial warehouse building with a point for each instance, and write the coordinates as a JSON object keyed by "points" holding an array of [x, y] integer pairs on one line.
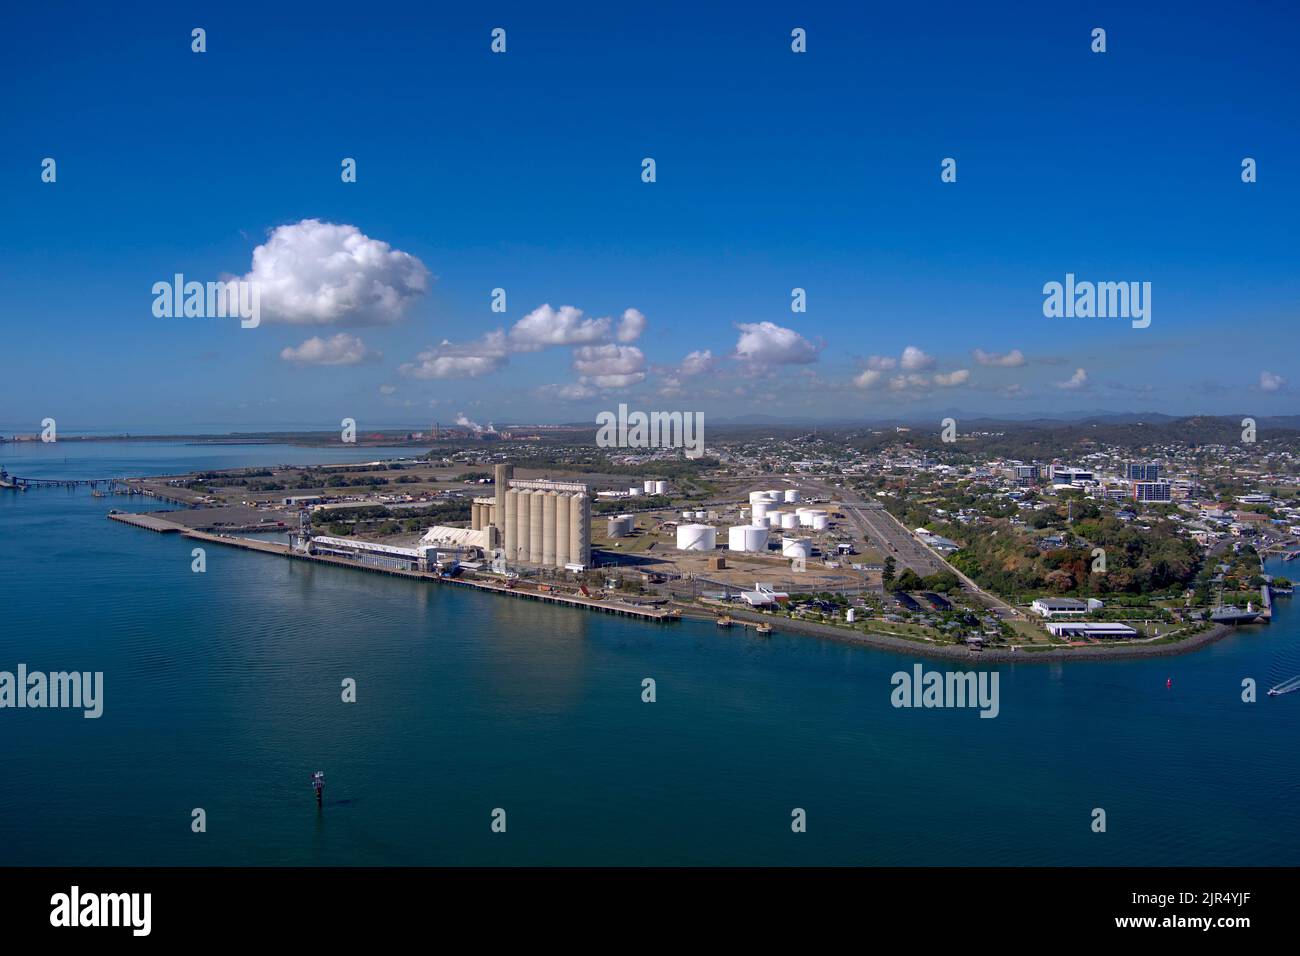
{"points": [[1084, 629]]}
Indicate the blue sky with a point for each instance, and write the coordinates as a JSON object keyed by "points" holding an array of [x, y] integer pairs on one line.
{"points": [[522, 171]]}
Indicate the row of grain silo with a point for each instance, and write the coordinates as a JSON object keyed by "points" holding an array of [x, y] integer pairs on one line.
{"points": [[547, 522]]}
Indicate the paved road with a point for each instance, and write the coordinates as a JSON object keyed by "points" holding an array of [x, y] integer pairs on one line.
{"points": [[896, 541]]}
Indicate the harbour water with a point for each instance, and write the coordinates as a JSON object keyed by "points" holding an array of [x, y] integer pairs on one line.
{"points": [[222, 692]]}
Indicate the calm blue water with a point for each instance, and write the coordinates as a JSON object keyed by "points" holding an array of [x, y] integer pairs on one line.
{"points": [[222, 692]]}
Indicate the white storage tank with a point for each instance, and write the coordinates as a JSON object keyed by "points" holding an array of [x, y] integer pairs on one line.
{"points": [[649, 487], [759, 512], [761, 496], [688, 515], [696, 537], [633, 491], [808, 517], [747, 537], [796, 547], [789, 519], [791, 495], [821, 522], [620, 527], [661, 487]]}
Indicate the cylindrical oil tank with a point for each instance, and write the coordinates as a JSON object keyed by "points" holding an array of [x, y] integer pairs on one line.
{"points": [[701, 515], [796, 547], [809, 516], [756, 496], [747, 537], [563, 518], [512, 525], [620, 527], [696, 537], [821, 522], [791, 495], [548, 530], [789, 519], [759, 512], [661, 487], [649, 487], [688, 515]]}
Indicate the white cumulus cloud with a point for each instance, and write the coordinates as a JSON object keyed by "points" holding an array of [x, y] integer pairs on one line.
{"points": [[948, 379], [1268, 382], [766, 343], [631, 325], [914, 360], [697, 363], [341, 349], [545, 326], [1013, 359], [466, 360], [1075, 382], [609, 366], [322, 273]]}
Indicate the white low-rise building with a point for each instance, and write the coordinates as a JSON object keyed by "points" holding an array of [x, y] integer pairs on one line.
{"points": [[1064, 607]]}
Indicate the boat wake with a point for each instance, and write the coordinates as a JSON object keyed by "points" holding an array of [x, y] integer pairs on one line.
{"points": [[1286, 687]]}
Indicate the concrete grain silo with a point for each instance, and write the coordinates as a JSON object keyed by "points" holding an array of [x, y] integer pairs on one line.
{"points": [[548, 528], [511, 529], [525, 524], [580, 529], [563, 518], [501, 476], [535, 526]]}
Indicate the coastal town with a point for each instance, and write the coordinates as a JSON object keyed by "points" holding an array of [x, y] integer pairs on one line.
{"points": [[1129, 540]]}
